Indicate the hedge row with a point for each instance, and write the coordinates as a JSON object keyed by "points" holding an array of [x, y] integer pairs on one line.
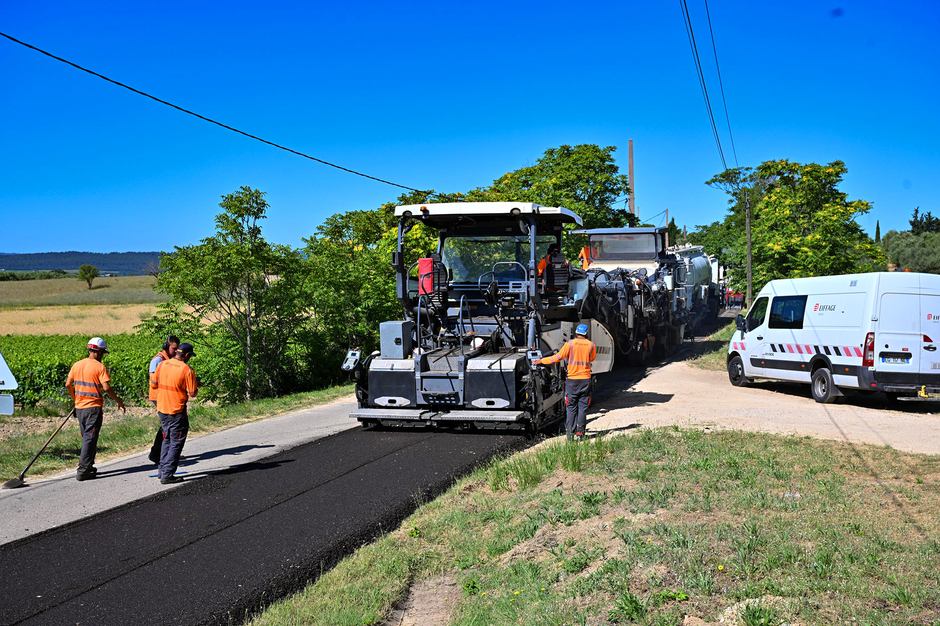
{"points": [[41, 364]]}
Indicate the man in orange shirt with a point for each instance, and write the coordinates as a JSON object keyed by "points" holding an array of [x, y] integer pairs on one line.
{"points": [[175, 383], [580, 353], [169, 349], [87, 382]]}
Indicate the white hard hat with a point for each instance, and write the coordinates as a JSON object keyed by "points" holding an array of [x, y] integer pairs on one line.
{"points": [[98, 345]]}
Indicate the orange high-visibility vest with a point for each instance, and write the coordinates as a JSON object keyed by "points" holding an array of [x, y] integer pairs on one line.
{"points": [[580, 353], [86, 378]]}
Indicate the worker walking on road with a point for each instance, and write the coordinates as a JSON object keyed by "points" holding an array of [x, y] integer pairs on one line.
{"points": [[169, 350], [87, 382], [580, 353], [175, 383]]}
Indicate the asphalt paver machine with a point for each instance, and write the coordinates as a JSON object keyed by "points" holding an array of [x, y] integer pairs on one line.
{"points": [[477, 314]]}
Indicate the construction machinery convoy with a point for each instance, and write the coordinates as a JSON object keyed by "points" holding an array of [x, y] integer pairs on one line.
{"points": [[498, 294]]}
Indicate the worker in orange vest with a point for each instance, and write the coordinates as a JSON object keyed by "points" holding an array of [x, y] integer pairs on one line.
{"points": [[580, 353], [87, 382], [552, 249], [169, 349], [176, 383]]}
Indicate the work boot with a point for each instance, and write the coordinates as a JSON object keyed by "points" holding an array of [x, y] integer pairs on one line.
{"points": [[80, 476], [172, 480]]}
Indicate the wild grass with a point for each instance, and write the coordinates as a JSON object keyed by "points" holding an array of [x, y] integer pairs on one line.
{"points": [[125, 435], [653, 527], [712, 352]]}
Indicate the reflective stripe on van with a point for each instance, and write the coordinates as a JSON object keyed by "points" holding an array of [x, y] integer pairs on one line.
{"points": [[799, 348]]}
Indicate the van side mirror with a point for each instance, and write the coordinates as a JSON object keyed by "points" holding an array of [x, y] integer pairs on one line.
{"points": [[739, 322]]}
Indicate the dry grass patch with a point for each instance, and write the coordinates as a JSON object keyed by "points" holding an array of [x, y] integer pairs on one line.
{"points": [[89, 320]]}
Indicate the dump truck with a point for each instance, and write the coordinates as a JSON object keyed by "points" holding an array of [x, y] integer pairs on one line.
{"points": [[477, 315]]}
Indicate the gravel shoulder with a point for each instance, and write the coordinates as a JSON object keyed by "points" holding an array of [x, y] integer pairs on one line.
{"points": [[680, 394]]}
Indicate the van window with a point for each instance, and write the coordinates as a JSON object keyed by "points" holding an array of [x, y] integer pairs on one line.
{"points": [[756, 317], [787, 312]]}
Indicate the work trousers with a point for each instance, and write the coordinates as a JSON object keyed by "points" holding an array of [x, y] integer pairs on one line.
{"points": [[578, 398], [89, 423], [175, 428]]}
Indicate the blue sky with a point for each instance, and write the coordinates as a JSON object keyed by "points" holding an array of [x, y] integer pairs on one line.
{"points": [[441, 95]]}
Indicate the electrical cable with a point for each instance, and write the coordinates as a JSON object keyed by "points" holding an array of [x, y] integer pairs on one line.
{"points": [[701, 77], [240, 132], [720, 86]]}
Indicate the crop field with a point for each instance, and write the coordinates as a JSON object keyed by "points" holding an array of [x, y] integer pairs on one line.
{"points": [[71, 291]]}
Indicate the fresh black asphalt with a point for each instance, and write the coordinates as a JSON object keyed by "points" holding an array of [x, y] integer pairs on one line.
{"points": [[217, 549]]}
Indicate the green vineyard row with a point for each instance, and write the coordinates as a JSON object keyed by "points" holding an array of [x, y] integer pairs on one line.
{"points": [[41, 364]]}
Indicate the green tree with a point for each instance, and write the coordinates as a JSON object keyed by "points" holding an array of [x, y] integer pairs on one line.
{"points": [[925, 223], [88, 273], [243, 296], [917, 253], [726, 239], [674, 232], [805, 226], [584, 178], [877, 231], [352, 286]]}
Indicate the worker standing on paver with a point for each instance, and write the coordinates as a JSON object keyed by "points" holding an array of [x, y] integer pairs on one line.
{"points": [[175, 382], [169, 349], [580, 353], [552, 249], [87, 382]]}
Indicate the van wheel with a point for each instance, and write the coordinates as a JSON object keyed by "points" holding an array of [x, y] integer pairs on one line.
{"points": [[822, 386], [736, 372]]}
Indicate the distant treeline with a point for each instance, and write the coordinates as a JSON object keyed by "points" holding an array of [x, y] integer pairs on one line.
{"points": [[8, 275], [112, 262]]}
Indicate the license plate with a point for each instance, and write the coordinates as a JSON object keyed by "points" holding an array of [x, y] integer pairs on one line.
{"points": [[894, 360]]}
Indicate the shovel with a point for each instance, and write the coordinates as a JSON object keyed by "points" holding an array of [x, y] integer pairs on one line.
{"points": [[13, 483]]}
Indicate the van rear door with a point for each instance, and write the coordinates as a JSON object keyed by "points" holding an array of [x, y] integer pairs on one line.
{"points": [[898, 339], [930, 336]]}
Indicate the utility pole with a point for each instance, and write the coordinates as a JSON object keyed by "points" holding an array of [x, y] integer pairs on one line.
{"points": [[667, 228], [747, 226], [632, 187]]}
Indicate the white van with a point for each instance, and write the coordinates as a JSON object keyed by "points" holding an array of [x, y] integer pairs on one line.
{"points": [[872, 332]]}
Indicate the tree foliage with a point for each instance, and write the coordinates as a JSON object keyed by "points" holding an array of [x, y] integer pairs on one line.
{"points": [[925, 223], [584, 178], [88, 273], [917, 253], [238, 294], [807, 227], [801, 224], [726, 239]]}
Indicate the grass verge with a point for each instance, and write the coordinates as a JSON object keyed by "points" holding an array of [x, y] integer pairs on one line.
{"points": [[712, 352], [653, 528], [126, 435]]}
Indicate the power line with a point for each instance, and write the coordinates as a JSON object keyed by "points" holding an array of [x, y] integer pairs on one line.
{"points": [[720, 86], [240, 132], [701, 77]]}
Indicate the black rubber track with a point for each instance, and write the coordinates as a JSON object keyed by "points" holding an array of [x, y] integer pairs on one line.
{"points": [[218, 549]]}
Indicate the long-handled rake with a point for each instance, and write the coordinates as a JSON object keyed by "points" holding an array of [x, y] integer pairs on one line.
{"points": [[13, 483]]}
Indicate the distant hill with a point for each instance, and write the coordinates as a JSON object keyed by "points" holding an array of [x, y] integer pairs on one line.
{"points": [[123, 263]]}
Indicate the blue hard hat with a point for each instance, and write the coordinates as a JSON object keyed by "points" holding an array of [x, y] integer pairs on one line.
{"points": [[582, 329]]}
